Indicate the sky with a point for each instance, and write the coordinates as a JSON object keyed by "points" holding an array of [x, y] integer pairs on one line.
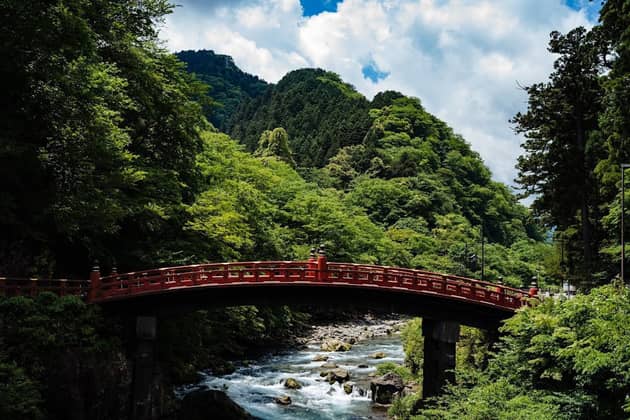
{"points": [[464, 59]]}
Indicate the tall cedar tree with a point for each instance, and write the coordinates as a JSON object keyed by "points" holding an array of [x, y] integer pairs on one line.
{"points": [[560, 148]]}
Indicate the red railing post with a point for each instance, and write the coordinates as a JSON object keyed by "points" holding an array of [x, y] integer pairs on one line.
{"points": [[95, 282], [311, 265], [322, 264]]}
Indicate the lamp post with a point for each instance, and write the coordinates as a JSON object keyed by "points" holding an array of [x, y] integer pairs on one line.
{"points": [[624, 166]]}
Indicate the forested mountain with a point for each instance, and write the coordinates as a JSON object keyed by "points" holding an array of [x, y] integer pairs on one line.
{"points": [[319, 111], [411, 174], [229, 85]]}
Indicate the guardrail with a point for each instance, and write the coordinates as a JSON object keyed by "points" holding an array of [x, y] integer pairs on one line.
{"points": [[137, 283], [314, 271]]}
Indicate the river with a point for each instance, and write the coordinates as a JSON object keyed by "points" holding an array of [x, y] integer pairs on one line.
{"points": [[255, 386]]}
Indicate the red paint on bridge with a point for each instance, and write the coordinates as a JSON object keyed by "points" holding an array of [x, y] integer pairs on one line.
{"points": [[314, 272]]}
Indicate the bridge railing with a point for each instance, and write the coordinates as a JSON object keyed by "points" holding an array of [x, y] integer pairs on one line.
{"points": [[427, 282], [205, 274], [19, 286], [169, 278], [315, 271]]}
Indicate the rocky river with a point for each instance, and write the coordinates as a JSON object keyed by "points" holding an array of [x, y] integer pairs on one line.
{"points": [[260, 386]]}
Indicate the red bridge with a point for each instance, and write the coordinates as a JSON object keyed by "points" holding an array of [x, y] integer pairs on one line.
{"points": [[289, 282], [444, 301]]}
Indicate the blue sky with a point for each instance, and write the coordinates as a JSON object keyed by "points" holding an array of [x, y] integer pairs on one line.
{"points": [[315, 7], [464, 59]]}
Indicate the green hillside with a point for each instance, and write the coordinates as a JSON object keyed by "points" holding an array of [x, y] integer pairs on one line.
{"points": [[230, 86], [320, 112]]}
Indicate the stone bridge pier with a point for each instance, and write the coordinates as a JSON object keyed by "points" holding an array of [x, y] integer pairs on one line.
{"points": [[440, 341]]}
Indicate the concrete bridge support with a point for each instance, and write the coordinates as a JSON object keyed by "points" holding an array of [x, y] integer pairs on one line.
{"points": [[440, 340], [143, 371]]}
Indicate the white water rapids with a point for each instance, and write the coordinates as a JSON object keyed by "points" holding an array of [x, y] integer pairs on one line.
{"points": [[255, 386]]}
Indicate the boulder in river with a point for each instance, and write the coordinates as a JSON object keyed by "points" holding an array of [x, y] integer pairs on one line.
{"points": [[292, 384], [320, 358], [386, 388], [378, 355], [333, 344], [337, 375], [348, 387], [330, 365], [363, 366], [283, 400], [207, 404]]}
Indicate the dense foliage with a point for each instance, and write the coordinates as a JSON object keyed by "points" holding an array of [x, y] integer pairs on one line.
{"points": [[562, 359], [229, 85], [320, 112], [99, 134], [59, 359]]}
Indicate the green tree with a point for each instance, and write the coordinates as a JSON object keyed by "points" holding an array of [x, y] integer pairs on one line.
{"points": [[563, 144], [275, 143], [99, 134]]}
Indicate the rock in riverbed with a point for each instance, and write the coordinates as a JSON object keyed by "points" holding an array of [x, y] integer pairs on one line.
{"points": [[292, 384], [378, 355], [332, 344], [348, 387], [320, 358], [283, 400], [386, 388], [337, 375]]}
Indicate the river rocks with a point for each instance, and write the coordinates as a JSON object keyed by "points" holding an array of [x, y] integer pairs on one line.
{"points": [[386, 388], [348, 387], [292, 384], [330, 365], [333, 344], [210, 404], [320, 358], [363, 366], [337, 375], [356, 330], [378, 355], [283, 400]]}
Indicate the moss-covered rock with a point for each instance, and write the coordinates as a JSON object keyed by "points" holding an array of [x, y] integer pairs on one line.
{"points": [[292, 384]]}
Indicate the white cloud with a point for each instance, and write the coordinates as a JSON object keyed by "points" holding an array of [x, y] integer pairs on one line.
{"points": [[462, 58]]}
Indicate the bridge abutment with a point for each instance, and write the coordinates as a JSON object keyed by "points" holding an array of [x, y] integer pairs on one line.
{"points": [[143, 371], [440, 341]]}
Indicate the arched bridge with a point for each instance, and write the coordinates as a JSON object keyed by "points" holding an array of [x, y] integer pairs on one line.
{"points": [[444, 301], [419, 292]]}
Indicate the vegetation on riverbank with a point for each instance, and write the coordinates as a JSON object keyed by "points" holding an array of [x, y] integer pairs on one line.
{"points": [[561, 359]]}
